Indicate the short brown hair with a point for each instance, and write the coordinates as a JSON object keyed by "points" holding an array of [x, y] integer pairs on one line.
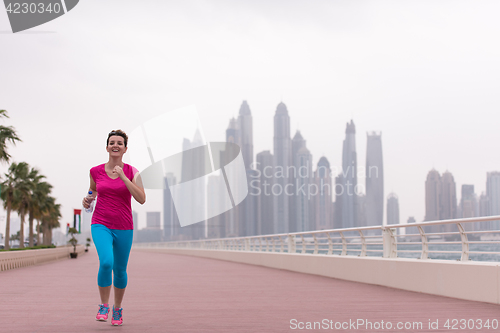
{"points": [[119, 133]]}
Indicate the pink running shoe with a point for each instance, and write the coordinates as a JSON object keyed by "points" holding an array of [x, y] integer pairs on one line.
{"points": [[117, 319], [102, 314]]}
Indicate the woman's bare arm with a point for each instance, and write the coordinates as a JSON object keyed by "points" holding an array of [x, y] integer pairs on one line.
{"points": [[92, 187], [135, 187]]}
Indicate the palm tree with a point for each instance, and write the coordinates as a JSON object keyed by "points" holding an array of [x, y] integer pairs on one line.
{"points": [[51, 212], [22, 195], [39, 192], [45, 209], [7, 133], [9, 194], [55, 215]]}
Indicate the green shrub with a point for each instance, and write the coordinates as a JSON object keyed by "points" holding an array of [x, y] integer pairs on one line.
{"points": [[32, 248]]}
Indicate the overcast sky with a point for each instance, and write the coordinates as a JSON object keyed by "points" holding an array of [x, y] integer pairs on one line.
{"points": [[424, 73]]}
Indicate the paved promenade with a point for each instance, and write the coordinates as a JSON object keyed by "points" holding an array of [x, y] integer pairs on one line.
{"points": [[171, 293]]}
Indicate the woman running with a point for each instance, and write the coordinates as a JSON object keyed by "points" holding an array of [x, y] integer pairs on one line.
{"points": [[114, 183]]}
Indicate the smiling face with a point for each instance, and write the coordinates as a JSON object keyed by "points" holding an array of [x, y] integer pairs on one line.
{"points": [[116, 146]]}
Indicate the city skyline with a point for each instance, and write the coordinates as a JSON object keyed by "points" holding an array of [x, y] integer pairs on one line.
{"points": [[233, 134], [304, 212]]}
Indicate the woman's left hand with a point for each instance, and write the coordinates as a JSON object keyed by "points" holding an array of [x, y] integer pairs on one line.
{"points": [[119, 171]]}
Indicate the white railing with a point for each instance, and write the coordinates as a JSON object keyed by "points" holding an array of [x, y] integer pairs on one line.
{"points": [[382, 241], [23, 258]]}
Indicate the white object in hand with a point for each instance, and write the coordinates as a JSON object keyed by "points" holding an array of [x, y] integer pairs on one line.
{"points": [[91, 204]]}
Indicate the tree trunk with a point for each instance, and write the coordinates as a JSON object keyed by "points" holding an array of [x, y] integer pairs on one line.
{"points": [[7, 227], [50, 236], [38, 232], [45, 235], [21, 232], [31, 230]]}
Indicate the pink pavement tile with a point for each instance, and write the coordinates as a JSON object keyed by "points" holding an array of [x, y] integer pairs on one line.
{"points": [[173, 293]]}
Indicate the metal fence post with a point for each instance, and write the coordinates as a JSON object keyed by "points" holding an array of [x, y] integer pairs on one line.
{"points": [[291, 243], [389, 243], [330, 244], [363, 244], [344, 244], [465, 242], [315, 244], [425, 244]]}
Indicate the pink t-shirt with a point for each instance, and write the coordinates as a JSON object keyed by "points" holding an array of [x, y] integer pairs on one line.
{"points": [[113, 207]]}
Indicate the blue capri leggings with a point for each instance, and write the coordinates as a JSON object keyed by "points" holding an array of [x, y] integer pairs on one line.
{"points": [[113, 247]]}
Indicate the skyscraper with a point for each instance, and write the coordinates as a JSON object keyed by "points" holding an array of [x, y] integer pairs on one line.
{"points": [[392, 209], [493, 193], [448, 197], [433, 204], [449, 201], [247, 218], [323, 205], [245, 127], [231, 218], [232, 132], [348, 197], [433, 196], [337, 193], [374, 180], [484, 209], [361, 212], [282, 162], [302, 204], [468, 201], [153, 220], [179, 233], [468, 204], [265, 201], [193, 165], [247, 210], [484, 205], [411, 230], [215, 225], [171, 223], [135, 219], [298, 143], [440, 199]]}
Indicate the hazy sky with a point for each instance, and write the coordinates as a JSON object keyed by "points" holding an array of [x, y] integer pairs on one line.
{"points": [[425, 73]]}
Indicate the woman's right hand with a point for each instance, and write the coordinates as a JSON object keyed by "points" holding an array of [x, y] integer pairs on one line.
{"points": [[86, 202]]}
